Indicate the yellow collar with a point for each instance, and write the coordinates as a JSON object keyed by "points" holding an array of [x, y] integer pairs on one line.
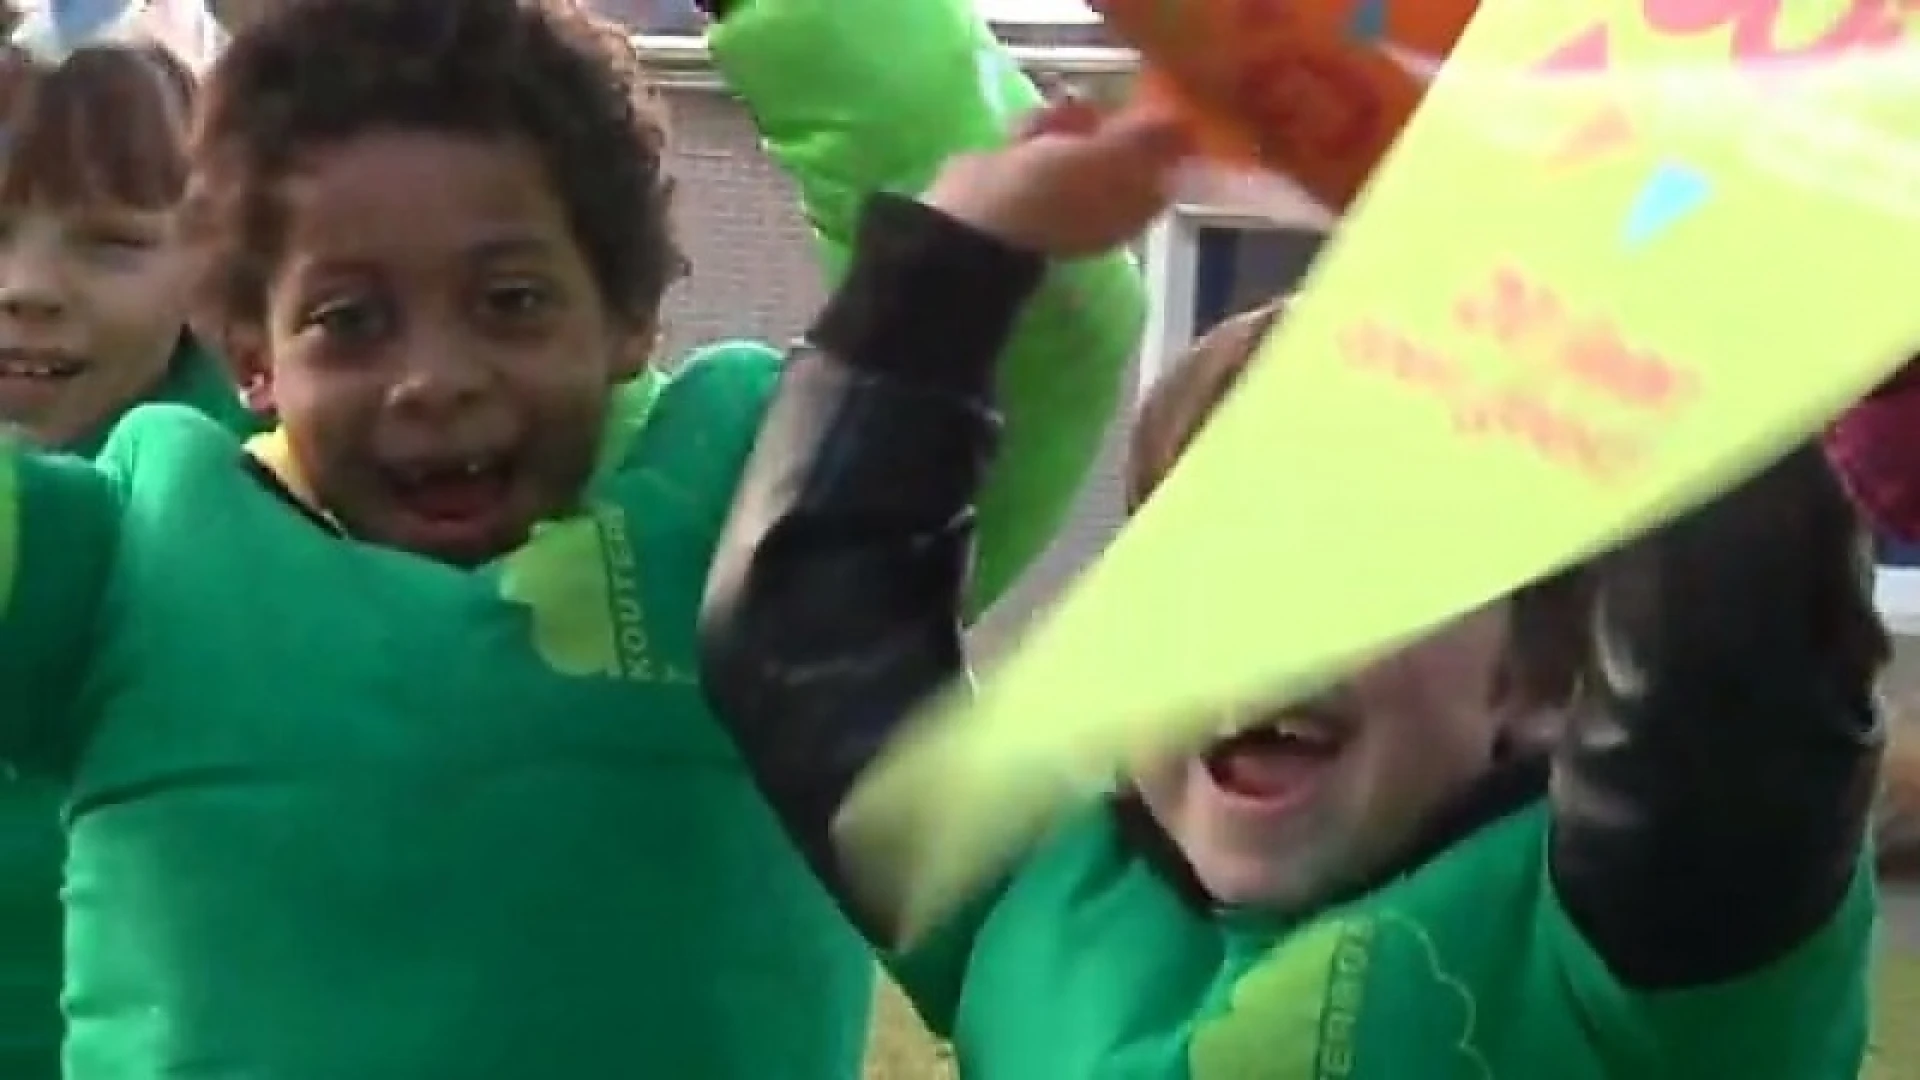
{"points": [[627, 415]]}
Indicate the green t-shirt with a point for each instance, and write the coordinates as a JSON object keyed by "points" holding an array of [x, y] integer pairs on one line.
{"points": [[1089, 964], [30, 845], [195, 378], [341, 813]]}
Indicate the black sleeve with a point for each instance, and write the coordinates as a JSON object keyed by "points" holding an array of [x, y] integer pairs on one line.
{"points": [[833, 603], [1714, 791]]}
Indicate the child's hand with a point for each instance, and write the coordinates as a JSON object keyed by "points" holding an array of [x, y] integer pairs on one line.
{"points": [[1077, 182]]}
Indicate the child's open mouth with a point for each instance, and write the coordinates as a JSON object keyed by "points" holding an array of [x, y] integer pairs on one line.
{"points": [[456, 507], [1276, 766], [30, 378]]}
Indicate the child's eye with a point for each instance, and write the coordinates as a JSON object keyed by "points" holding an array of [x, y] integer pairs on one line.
{"points": [[517, 300], [121, 240], [115, 244], [349, 322]]}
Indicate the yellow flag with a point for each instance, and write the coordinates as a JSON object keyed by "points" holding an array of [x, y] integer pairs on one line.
{"points": [[1624, 255]]}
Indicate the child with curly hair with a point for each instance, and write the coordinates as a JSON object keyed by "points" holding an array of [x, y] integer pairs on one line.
{"points": [[92, 313], [1403, 876], [429, 788]]}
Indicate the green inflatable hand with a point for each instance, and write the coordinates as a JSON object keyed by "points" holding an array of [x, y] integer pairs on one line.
{"points": [[855, 96]]}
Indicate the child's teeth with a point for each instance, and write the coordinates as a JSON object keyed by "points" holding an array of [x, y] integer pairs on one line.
{"points": [[1301, 730]]}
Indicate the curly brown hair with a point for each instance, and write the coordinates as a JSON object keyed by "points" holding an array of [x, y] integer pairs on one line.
{"points": [[312, 73], [1549, 621]]}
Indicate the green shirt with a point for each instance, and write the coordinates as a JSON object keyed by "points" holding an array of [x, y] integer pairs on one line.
{"points": [[195, 378], [1088, 964], [31, 850], [373, 817], [368, 816]]}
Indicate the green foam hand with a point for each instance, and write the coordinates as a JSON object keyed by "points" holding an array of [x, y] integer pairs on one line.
{"points": [[858, 96]]}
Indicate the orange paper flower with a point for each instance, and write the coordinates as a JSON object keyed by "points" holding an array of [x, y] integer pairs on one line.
{"points": [[1309, 88]]}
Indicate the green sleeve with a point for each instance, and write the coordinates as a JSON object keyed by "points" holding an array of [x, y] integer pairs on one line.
{"points": [[710, 410], [854, 96], [1804, 1015], [59, 529], [932, 972]]}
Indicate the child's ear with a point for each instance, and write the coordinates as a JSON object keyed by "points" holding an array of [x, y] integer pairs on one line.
{"points": [[245, 349], [635, 352]]}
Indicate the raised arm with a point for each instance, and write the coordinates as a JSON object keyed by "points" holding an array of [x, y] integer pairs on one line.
{"points": [[834, 602], [59, 522], [858, 96], [1712, 800], [833, 605]]}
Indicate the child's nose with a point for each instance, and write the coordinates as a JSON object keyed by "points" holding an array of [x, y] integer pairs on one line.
{"points": [[31, 289], [438, 381], [25, 304]]}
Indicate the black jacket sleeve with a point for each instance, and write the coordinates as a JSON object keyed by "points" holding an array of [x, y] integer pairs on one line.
{"points": [[1714, 791], [832, 606]]}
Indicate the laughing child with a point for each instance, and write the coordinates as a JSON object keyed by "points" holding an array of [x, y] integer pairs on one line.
{"points": [[92, 305], [1389, 881], [429, 788]]}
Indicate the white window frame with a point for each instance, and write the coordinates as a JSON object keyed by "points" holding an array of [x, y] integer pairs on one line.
{"points": [[1896, 592], [1172, 256]]}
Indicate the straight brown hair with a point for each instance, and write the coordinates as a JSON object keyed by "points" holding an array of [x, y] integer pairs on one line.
{"points": [[106, 126], [1179, 405]]}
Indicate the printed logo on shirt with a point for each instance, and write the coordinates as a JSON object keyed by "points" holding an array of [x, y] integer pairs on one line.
{"points": [[580, 581], [1296, 1015]]}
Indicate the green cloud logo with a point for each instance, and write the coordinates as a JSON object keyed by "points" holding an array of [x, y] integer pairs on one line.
{"points": [[1299, 1013], [1271, 1027], [560, 577]]}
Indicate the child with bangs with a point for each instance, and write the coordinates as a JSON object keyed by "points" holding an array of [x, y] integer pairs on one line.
{"points": [[1612, 825], [94, 294], [92, 311], [430, 788]]}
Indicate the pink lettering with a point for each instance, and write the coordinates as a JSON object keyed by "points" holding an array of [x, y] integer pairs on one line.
{"points": [[1753, 28], [1590, 52], [1548, 432], [1755, 25], [1511, 309], [1599, 357]]}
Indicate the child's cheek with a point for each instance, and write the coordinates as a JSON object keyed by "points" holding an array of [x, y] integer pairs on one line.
{"points": [[1162, 786]]}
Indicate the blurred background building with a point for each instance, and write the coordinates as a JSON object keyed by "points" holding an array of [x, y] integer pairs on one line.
{"points": [[754, 271], [1226, 247]]}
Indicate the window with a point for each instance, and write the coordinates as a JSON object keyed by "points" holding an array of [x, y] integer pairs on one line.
{"points": [[1896, 587], [653, 16], [1213, 257], [1239, 268]]}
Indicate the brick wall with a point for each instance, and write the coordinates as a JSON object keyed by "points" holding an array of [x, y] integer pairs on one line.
{"points": [[753, 268], [754, 276]]}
